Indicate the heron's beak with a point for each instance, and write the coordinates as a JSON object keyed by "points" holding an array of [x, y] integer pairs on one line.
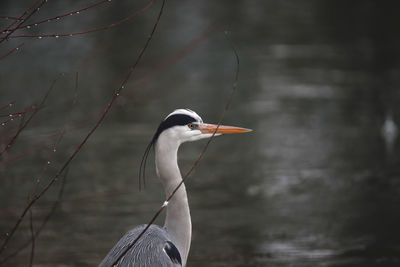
{"points": [[221, 129]]}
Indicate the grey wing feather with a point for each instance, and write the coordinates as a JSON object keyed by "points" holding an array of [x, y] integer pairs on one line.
{"points": [[154, 248]]}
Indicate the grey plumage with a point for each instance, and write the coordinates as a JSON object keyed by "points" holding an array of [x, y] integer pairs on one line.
{"points": [[151, 250]]}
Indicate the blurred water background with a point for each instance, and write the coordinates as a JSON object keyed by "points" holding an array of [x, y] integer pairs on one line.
{"points": [[317, 183]]}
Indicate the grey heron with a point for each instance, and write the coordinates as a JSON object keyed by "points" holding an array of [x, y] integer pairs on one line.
{"points": [[168, 245]]}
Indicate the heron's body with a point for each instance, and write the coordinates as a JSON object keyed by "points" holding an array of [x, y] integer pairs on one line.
{"points": [[155, 243], [169, 245]]}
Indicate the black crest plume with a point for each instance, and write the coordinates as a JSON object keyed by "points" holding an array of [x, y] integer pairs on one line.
{"points": [[171, 121]]}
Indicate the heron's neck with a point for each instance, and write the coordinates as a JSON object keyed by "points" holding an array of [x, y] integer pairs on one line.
{"points": [[177, 222]]}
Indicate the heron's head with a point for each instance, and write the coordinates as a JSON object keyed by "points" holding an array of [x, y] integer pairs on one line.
{"points": [[183, 125]]}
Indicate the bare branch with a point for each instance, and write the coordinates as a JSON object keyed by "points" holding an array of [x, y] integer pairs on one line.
{"points": [[22, 20], [44, 222], [79, 147], [58, 140], [75, 12], [57, 35], [21, 17], [11, 116], [9, 17], [15, 49], [36, 109], [7, 105]]}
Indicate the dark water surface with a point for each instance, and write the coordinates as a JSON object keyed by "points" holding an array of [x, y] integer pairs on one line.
{"points": [[317, 183]]}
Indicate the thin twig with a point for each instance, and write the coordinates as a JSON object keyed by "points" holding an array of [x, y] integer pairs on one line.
{"points": [[15, 49], [195, 164], [47, 163], [32, 238], [15, 114], [11, 116], [7, 105], [59, 138], [57, 35], [78, 11], [9, 32], [44, 222], [21, 17], [52, 135], [9, 17], [20, 129]]}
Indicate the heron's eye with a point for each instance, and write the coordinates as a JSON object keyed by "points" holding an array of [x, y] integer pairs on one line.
{"points": [[192, 126]]}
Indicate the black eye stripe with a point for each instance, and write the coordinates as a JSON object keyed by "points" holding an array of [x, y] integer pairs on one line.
{"points": [[173, 120]]}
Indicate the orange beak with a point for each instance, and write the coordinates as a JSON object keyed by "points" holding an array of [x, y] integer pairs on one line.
{"points": [[221, 129]]}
